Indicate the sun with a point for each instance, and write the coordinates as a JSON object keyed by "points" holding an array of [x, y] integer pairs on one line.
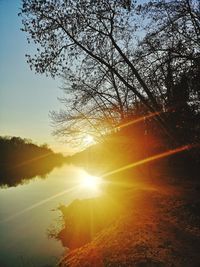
{"points": [[89, 139], [90, 182]]}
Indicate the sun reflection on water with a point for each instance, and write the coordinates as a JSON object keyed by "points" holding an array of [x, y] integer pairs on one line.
{"points": [[90, 182]]}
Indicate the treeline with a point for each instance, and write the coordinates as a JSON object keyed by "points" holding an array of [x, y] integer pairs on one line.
{"points": [[21, 159]]}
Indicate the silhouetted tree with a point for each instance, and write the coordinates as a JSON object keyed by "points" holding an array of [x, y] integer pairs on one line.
{"points": [[170, 56], [115, 54], [87, 34], [94, 104]]}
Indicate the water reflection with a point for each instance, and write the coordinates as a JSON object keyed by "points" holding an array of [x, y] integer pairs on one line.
{"points": [[13, 175], [83, 219], [26, 215]]}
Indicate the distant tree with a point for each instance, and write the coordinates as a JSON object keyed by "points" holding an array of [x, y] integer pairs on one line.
{"points": [[20, 160]]}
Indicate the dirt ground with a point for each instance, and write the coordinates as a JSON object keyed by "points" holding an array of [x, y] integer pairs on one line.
{"points": [[159, 225]]}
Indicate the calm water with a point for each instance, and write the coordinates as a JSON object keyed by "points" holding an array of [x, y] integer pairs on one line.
{"points": [[28, 210]]}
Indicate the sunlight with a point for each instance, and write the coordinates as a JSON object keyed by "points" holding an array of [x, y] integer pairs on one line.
{"points": [[38, 204], [90, 182], [89, 139], [147, 116], [149, 159]]}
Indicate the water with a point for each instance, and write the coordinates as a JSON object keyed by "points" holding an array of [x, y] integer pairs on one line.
{"points": [[28, 210]]}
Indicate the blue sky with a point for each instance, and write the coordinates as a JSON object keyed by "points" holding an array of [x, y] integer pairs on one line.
{"points": [[25, 98]]}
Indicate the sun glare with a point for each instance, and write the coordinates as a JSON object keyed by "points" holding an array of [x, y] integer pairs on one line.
{"points": [[89, 139], [90, 182]]}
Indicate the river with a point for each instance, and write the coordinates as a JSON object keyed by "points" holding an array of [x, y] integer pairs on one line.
{"points": [[28, 210]]}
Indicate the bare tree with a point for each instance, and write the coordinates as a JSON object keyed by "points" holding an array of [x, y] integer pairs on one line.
{"points": [[95, 101], [170, 56], [85, 30], [97, 41]]}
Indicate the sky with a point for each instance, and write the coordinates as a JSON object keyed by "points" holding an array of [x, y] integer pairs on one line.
{"points": [[25, 97]]}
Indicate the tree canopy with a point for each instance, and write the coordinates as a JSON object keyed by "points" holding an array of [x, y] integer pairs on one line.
{"points": [[119, 59]]}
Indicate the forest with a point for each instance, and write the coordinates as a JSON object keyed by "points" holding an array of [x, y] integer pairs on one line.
{"points": [[21, 160]]}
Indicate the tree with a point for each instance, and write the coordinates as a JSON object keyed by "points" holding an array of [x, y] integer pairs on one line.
{"points": [[171, 57], [94, 104], [111, 71], [173, 48], [94, 31]]}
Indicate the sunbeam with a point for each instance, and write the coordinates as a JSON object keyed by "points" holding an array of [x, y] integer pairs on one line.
{"points": [[149, 159], [38, 204], [139, 119], [32, 160]]}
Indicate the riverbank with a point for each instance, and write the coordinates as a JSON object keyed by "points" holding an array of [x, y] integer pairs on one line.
{"points": [[156, 213], [158, 226]]}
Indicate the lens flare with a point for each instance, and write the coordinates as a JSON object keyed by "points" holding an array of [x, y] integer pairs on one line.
{"points": [[38, 204], [90, 182], [149, 159], [89, 140]]}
